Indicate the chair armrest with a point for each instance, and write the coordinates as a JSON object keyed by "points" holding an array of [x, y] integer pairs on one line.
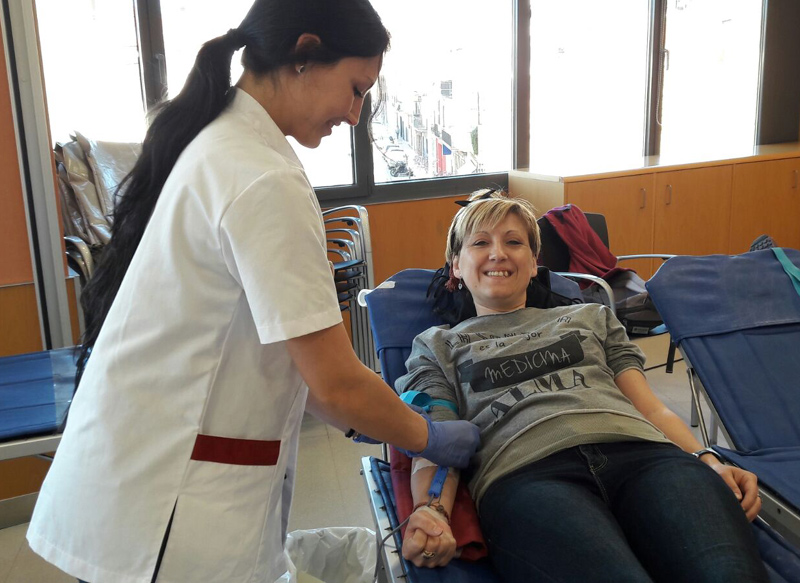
{"points": [[597, 280], [79, 245], [362, 297], [646, 256]]}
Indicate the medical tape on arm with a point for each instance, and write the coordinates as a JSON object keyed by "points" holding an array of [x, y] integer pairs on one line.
{"points": [[419, 463]]}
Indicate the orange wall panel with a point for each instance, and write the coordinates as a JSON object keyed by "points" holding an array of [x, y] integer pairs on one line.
{"points": [[409, 234], [72, 300], [15, 256], [19, 320], [21, 476]]}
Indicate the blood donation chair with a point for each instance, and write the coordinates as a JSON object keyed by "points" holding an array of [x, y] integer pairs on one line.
{"points": [[736, 320], [398, 312], [35, 393]]}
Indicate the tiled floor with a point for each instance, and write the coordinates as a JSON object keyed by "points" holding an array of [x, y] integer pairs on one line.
{"points": [[329, 490]]}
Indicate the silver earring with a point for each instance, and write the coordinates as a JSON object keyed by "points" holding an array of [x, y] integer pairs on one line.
{"points": [[301, 69], [460, 285]]}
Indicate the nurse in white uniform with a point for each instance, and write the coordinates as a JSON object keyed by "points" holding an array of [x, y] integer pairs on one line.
{"points": [[213, 321]]}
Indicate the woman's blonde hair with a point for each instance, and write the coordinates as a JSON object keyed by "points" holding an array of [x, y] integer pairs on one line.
{"points": [[484, 210]]}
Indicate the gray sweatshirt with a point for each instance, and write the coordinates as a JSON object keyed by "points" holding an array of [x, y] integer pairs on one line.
{"points": [[534, 381]]}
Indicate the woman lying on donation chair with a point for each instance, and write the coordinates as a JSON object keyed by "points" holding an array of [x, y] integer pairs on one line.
{"points": [[583, 474]]}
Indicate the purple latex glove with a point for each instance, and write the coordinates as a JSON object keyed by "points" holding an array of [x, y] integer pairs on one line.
{"points": [[450, 443], [360, 438]]}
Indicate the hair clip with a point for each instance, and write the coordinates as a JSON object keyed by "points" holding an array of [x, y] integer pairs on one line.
{"points": [[481, 197]]}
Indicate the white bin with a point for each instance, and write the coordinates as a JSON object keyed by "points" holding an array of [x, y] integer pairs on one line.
{"points": [[334, 555]]}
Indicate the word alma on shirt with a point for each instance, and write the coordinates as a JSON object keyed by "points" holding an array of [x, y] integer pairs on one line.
{"points": [[501, 372], [551, 384]]}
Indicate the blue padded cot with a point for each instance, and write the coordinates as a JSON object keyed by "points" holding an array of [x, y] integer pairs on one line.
{"points": [[398, 312], [35, 393], [736, 319]]}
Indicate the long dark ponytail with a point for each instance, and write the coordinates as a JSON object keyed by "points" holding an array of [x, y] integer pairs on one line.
{"points": [[269, 33]]}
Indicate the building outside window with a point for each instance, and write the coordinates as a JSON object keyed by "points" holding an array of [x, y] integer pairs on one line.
{"points": [[447, 81]]}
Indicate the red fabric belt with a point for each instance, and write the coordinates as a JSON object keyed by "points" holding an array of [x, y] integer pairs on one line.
{"points": [[240, 452]]}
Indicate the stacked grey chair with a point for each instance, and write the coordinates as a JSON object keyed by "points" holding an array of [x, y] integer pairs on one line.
{"points": [[350, 249]]}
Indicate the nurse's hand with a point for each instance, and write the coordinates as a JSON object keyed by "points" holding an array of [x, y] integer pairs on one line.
{"points": [[450, 443]]}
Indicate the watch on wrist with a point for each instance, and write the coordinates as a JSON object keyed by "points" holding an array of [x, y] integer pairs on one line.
{"points": [[705, 450]]}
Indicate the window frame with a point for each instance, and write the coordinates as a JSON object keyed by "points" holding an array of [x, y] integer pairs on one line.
{"points": [[776, 120], [364, 189]]}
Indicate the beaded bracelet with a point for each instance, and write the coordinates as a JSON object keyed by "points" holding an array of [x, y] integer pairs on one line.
{"points": [[437, 507]]}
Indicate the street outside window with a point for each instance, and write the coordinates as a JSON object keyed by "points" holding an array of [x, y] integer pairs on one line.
{"points": [[447, 83]]}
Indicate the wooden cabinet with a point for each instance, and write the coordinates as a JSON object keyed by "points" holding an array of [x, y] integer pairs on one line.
{"points": [[679, 207], [628, 204], [692, 211], [765, 200]]}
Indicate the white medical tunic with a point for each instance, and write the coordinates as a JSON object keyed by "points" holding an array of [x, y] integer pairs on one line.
{"points": [[190, 406]]}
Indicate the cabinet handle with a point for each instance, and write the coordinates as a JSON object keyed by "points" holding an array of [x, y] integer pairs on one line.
{"points": [[794, 181], [644, 197], [669, 194]]}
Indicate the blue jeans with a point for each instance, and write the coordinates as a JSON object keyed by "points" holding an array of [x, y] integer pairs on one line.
{"points": [[618, 512]]}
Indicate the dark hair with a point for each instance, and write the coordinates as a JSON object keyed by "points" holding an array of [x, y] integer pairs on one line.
{"points": [[269, 33], [453, 307]]}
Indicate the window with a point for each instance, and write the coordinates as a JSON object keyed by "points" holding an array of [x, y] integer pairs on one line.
{"points": [[92, 73], [187, 24], [589, 74], [330, 164], [447, 82], [598, 99], [711, 73]]}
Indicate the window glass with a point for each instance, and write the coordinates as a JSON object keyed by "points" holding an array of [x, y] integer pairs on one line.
{"points": [[711, 76], [447, 81], [589, 75], [328, 165], [187, 24], [91, 69]]}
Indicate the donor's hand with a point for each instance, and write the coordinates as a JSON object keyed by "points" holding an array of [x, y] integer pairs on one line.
{"points": [[428, 541]]}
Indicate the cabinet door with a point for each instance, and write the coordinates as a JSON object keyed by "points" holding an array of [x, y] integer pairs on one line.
{"points": [[766, 200], [627, 204], [693, 210]]}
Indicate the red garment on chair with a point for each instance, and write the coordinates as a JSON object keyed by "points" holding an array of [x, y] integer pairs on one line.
{"points": [[464, 517], [587, 252]]}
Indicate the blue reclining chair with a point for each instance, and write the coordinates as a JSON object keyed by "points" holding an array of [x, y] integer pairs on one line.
{"points": [[35, 393], [736, 319], [399, 311]]}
